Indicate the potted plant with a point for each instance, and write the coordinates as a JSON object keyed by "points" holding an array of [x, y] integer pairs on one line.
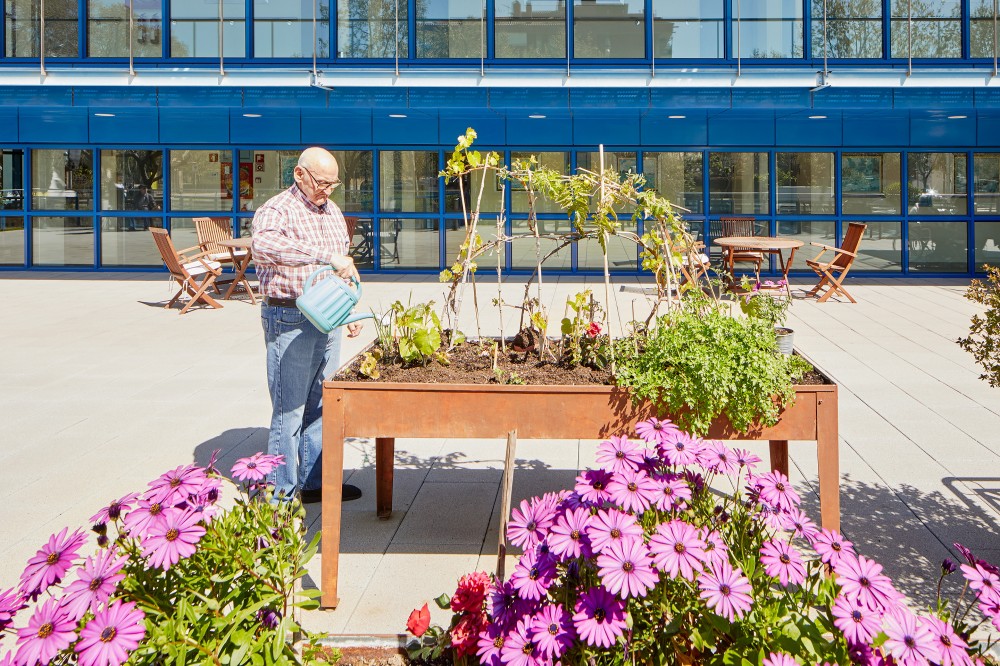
{"points": [[768, 301]]}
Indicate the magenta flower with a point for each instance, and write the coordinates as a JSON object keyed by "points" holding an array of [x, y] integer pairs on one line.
{"points": [[624, 568], [49, 631], [783, 562], [716, 550], [776, 490], [861, 580], [599, 617], [529, 524], [679, 448], [633, 491], [951, 649], [726, 590], [96, 580], [991, 609], [11, 601], [552, 631], [654, 430], [745, 459], [172, 540], [610, 525], [174, 486], [568, 537], [251, 469], [111, 635], [115, 510], [677, 550], [144, 516], [981, 580], [505, 606], [831, 546], [910, 640], [51, 562], [673, 492], [592, 487], [858, 624], [795, 520], [619, 454], [533, 575], [490, 643], [716, 457], [518, 649], [779, 659]]}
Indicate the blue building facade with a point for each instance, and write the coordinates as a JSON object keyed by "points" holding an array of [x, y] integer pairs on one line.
{"points": [[803, 114]]}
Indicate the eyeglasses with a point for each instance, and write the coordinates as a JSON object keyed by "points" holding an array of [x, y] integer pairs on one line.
{"points": [[322, 184]]}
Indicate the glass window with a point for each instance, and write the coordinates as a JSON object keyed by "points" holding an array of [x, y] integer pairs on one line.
{"points": [[471, 184], [108, 29], [622, 253], [987, 244], [23, 25], [937, 183], [357, 175], [881, 248], [454, 236], [938, 247], [12, 179], [450, 29], [194, 29], [201, 180], [409, 181], [620, 163], [688, 29], [122, 246], [530, 29], [285, 29], [870, 183], [677, 177], [932, 29], [557, 161], [853, 29], [986, 196], [264, 174], [11, 241], [767, 28], [738, 183], [983, 31], [807, 231], [805, 183], [132, 180], [407, 244], [63, 241], [523, 252], [609, 29], [183, 232], [62, 180], [369, 29]]}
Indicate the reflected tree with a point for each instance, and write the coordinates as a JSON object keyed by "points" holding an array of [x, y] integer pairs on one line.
{"points": [[23, 25]]}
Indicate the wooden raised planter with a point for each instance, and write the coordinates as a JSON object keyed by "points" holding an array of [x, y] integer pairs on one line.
{"points": [[486, 411]]}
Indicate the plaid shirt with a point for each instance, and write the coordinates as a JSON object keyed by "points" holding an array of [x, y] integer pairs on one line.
{"points": [[292, 237]]}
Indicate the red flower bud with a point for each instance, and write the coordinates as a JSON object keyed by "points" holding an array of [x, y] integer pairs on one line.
{"points": [[418, 621]]}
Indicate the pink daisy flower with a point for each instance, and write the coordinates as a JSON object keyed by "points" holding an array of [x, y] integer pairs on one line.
{"points": [[145, 515], [115, 510], [831, 546], [796, 521], [610, 525], [552, 631], [861, 580], [51, 562], [619, 454], [518, 649], [568, 537], [174, 486], [745, 459], [776, 490], [489, 645], [114, 632], [11, 602], [679, 448], [599, 617], [673, 493], [530, 523], [49, 631], [858, 624], [715, 549], [172, 540], [654, 430], [252, 469], [951, 649], [633, 491], [592, 487], [991, 609], [96, 580], [783, 562], [726, 590], [717, 457], [533, 575], [624, 568], [779, 659], [981, 579], [677, 549], [910, 641]]}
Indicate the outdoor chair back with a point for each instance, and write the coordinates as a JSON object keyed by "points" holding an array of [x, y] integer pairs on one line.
{"points": [[832, 273], [211, 230], [195, 274]]}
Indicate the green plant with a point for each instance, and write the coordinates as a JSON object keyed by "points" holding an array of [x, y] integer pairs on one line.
{"points": [[767, 301], [418, 334], [983, 341], [582, 339]]}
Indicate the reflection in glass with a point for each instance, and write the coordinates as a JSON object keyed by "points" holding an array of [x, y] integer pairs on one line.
{"points": [[853, 28], [362, 241], [530, 30], [201, 180], [677, 177], [688, 29], [523, 253], [62, 180], [609, 29], [621, 164], [881, 247], [557, 161], [767, 28], [194, 29], [870, 183], [285, 29], [738, 183], [938, 247], [23, 27], [987, 183], [622, 253], [264, 174], [454, 236], [471, 184], [933, 30], [124, 243], [805, 183], [132, 180], [807, 231], [62, 241], [450, 29], [716, 229], [406, 244], [357, 175], [409, 181], [369, 29], [183, 232], [11, 241], [936, 183], [987, 244], [108, 29], [12, 179], [982, 29]]}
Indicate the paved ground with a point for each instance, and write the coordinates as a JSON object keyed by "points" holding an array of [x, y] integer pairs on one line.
{"points": [[102, 390]]}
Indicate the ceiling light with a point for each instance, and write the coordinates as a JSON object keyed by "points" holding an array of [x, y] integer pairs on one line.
{"points": [[957, 117], [817, 117], [536, 116], [676, 117], [397, 115], [105, 115], [251, 115]]}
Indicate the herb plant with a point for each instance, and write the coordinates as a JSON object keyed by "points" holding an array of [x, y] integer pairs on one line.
{"points": [[582, 339], [767, 301], [983, 341]]}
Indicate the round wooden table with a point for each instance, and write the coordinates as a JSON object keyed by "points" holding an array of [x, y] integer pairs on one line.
{"points": [[765, 244], [240, 263]]}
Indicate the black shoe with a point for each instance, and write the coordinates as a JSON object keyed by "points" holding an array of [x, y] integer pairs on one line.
{"points": [[348, 493]]}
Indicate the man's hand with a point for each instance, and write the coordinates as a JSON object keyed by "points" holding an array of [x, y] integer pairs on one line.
{"points": [[354, 329], [345, 268]]}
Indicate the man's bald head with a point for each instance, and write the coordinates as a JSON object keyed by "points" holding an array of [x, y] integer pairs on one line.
{"points": [[316, 170], [318, 159]]}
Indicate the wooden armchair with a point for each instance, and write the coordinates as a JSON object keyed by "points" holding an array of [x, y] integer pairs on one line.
{"points": [[211, 230], [741, 226], [195, 274], [833, 272]]}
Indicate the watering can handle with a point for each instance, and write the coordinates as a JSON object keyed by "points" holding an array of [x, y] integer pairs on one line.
{"points": [[310, 281]]}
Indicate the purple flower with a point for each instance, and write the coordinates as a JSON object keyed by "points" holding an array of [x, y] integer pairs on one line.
{"points": [[966, 553], [679, 448], [592, 486], [529, 524], [256, 467], [518, 649], [147, 514], [717, 457], [795, 520], [783, 562], [673, 492], [114, 510], [654, 430], [174, 486], [11, 601], [51, 562], [269, 618], [552, 631], [951, 649], [619, 454], [981, 580], [568, 537], [610, 525], [716, 550], [506, 607], [490, 644], [831, 546], [948, 567], [779, 659], [111, 635], [861, 580], [726, 590], [677, 550], [745, 459], [599, 617], [624, 568], [991, 609], [96, 580], [172, 540], [49, 631], [775, 489], [858, 624], [533, 575], [910, 641], [633, 491]]}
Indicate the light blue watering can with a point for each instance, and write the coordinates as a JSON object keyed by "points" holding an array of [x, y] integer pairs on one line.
{"points": [[328, 303]]}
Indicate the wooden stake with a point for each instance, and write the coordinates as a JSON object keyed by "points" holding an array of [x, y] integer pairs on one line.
{"points": [[505, 499]]}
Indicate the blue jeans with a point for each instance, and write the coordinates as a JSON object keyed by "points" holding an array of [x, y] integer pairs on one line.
{"points": [[299, 358]]}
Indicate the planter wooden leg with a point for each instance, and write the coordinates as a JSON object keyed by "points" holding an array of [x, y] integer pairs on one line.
{"points": [[385, 461], [828, 455], [333, 480], [779, 455]]}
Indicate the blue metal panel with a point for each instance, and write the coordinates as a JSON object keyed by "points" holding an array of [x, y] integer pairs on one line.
{"points": [[448, 97], [491, 128], [799, 129], [36, 96], [614, 98], [8, 125], [936, 129], [868, 128], [47, 125], [200, 97], [273, 126], [852, 98], [292, 97], [690, 98], [128, 125], [337, 127], [114, 96], [988, 130], [553, 130], [367, 97], [655, 128], [528, 98], [987, 99], [734, 128], [194, 125], [764, 98], [932, 98], [418, 127], [612, 128]]}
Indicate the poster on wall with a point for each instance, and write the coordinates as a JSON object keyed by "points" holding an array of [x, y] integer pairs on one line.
{"points": [[246, 180], [226, 180]]}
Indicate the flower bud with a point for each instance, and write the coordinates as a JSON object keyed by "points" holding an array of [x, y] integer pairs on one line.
{"points": [[947, 567], [100, 529]]}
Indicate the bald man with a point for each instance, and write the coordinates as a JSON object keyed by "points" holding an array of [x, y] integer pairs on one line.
{"points": [[295, 233]]}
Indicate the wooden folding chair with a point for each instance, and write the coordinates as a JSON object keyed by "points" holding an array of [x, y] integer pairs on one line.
{"points": [[211, 230], [741, 226], [832, 273], [195, 274]]}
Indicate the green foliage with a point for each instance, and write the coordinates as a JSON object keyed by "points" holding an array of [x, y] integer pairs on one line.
{"points": [[582, 340], [369, 364], [418, 334], [767, 302], [983, 341]]}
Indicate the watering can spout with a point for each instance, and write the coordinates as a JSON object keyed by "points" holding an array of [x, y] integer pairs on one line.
{"points": [[357, 317]]}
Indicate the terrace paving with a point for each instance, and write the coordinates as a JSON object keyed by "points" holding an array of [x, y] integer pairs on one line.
{"points": [[102, 390]]}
